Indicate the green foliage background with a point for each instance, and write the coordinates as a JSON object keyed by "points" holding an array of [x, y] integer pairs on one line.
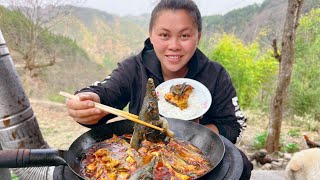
{"points": [[305, 86], [252, 70]]}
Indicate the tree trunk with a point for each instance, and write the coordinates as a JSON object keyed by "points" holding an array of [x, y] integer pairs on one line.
{"points": [[285, 70], [30, 56]]}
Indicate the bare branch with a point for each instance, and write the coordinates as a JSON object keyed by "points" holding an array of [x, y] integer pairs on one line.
{"points": [[40, 16], [42, 65]]}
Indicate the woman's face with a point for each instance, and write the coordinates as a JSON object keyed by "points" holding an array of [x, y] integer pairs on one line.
{"points": [[174, 36]]}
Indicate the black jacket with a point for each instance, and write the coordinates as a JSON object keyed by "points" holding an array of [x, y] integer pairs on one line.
{"points": [[127, 84]]}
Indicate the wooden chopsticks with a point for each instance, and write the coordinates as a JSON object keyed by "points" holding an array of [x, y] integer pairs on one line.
{"points": [[115, 111]]}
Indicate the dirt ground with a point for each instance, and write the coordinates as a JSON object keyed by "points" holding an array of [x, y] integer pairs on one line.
{"points": [[59, 130]]}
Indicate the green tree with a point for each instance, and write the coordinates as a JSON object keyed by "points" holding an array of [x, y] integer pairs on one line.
{"points": [[305, 87], [251, 70]]}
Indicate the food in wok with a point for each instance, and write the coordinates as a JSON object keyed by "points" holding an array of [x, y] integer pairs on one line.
{"points": [[147, 153], [178, 95], [115, 159]]}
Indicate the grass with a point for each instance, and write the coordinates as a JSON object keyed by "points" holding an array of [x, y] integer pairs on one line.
{"points": [[260, 140], [14, 176], [307, 122], [56, 98], [57, 128], [291, 148], [291, 139], [294, 132]]}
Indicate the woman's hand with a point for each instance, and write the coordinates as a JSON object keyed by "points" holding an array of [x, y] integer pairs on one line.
{"points": [[83, 110]]}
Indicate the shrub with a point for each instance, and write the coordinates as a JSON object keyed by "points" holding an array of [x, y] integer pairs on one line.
{"points": [[260, 140], [294, 132], [252, 70], [291, 147]]}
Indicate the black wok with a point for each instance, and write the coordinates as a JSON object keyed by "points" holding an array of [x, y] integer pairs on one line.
{"points": [[200, 136]]}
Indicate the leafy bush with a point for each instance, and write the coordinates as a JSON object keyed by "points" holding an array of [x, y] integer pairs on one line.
{"points": [[291, 148], [252, 71], [305, 86], [260, 141], [294, 132]]}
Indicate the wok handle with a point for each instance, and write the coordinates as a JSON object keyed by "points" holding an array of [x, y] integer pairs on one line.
{"points": [[17, 158]]}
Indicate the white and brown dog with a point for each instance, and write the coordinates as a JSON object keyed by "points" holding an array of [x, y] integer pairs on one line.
{"points": [[304, 165]]}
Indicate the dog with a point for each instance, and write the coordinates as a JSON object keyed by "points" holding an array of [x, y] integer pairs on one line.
{"points": [[304, 165]]}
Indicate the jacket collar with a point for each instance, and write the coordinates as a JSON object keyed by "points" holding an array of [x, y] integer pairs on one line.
{"points": [[152, 63]]}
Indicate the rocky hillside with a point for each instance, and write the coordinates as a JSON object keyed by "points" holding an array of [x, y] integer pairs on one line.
{"points": [[105, 37], [72, 68], [271, 18], [248, 22], [109, 38]]}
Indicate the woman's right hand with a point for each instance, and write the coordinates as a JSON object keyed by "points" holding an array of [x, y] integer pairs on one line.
{"points": [[83, 110]]}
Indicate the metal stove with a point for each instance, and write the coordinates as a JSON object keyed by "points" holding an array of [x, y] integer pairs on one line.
{"points": [[19, 128]]}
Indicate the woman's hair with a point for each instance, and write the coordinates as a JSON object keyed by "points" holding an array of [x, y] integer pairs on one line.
{"points": [[187, 5]]}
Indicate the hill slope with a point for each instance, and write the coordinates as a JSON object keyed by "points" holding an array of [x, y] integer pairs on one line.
{"points": [[106, 38], [248, 22], [64, 75], [109, 38]]}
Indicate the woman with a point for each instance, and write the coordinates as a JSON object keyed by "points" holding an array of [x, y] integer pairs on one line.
{"points": [[170, 52]]}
